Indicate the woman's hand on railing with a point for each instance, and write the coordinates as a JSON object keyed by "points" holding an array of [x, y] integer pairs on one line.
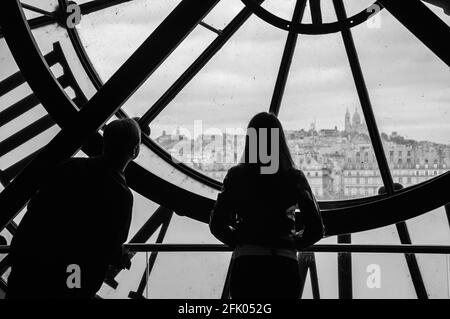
{"points": [[125, 260]]}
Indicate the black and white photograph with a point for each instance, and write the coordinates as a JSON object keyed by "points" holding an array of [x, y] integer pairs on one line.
{"points": [[223, 156]]}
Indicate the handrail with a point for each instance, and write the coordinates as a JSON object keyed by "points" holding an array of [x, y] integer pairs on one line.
{"points": [[327, 248], [323, 248]]}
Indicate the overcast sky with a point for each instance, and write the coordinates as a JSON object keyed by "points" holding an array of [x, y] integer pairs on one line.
{"points": [[408, 85]]}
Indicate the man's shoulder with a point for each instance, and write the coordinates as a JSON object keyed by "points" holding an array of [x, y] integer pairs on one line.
{"points": [[120, 192], [127, 194], [74, 162]]}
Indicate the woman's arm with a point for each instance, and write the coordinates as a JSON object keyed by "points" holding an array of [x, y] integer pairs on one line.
{"points": [[313, 229], [220, 219]]}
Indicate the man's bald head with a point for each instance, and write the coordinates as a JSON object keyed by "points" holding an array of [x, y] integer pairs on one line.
{"points": [[122, 139]]}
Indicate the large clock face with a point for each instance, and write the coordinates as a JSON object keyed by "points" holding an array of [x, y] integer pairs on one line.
{"points": [[363, 98]]}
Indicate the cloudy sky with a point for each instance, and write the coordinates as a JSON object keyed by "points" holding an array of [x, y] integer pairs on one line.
{"points": [[408, 85]]}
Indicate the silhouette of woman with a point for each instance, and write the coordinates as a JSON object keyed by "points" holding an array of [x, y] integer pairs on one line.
{"points": [[266, 215]]}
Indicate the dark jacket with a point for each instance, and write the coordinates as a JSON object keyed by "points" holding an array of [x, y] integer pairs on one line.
{"points": [[81, 215], [254, 208]]}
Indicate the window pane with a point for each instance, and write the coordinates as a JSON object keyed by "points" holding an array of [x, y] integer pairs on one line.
{"points": [[169, 71], [325, 125], [153, 163], [380, 276], [213, 111], [46, 38], [192, 275], [223, 13], [143, 209], [435, 273], [47, 5], [409, 90], [8, 69], [382, 236], [176, 275], [431, 228], [391, 273], [184, 230], [443, 15], [283, 9], [111, 35], [390, 277]]}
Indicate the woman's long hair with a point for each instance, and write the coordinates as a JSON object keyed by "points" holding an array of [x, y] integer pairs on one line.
{"points": [[265, 122]]}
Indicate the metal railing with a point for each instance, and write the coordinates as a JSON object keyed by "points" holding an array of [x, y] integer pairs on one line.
{"points": [[323, 248]]}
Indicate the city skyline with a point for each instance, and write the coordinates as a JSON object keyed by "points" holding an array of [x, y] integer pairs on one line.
{"points": [[239, 81], [198, 130], [409, 91], [339, 164]]}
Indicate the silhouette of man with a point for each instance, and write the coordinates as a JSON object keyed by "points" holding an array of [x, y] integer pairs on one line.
{"points": [[76, 223]]}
